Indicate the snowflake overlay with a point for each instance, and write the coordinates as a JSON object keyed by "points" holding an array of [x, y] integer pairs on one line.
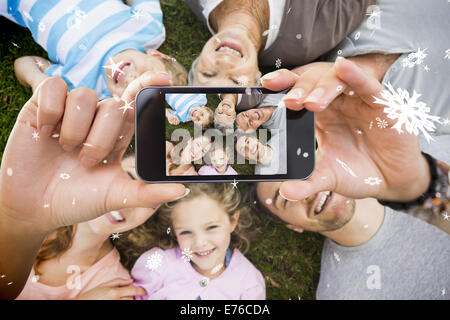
{"points": [[154, 261], [346, 167], [336, 256], [278, 63], [414, 58], [372, 181], [447, 54], [382, 124], [410, 112], [187, 254]]}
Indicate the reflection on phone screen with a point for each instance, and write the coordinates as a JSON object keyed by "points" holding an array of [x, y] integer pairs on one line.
{"points": [[226, 134]]}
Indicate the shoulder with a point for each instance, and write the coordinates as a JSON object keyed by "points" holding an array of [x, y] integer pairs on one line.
{"points": [[245, 269]]}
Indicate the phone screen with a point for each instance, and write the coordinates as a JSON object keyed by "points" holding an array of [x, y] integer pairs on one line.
{"points": [[225, 134]]}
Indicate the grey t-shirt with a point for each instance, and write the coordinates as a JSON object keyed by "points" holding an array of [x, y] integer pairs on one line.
{"points": [[405, 26], [406, 259]]}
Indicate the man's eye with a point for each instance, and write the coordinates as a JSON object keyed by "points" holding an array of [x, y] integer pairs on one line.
{"points": [[208, 75], [211, 227]]}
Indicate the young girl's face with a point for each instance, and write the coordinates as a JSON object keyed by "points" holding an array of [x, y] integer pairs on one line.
{"points": [[203, 226], [124, 219], [219, 160]]}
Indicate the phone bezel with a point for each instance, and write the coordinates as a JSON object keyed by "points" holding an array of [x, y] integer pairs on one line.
{"points": [[150, 123]]}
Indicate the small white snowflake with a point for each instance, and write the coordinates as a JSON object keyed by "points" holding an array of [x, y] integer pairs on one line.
{"points": [[9, 172], [3, 276], [234, 183], [187, 254], [299, 151], [346, 167], [357, 35], [36, 135], [15, 44], [105, 161], [73, 201], [47, 205], [426, 68], [35, 279], [78, 108], [168, 230], [278, 63], [281, 105], [268, 201], [339, 52], [414, 58], [298, 36], [10, 283], [372, 181], [305, 155], [351, 93], [371, 125], [28, 16], [445, 216], [114, 67], [87, 144], [336, 256], [39, 63], [136, 15], [447, 54], [365, 226], [382, 124], [55, 135], [115, 236], [266, 32], [154, 261], [124, 201], [64, 176], [358, 131], [410, 112], [41, 26], [126, 106], [339, 88], [446, 122], [443, 292]]}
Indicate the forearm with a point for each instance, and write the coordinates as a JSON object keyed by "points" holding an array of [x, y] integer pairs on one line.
{"points": [[30, 71], [19, 243]]}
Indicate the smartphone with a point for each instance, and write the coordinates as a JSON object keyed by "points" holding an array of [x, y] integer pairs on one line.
{"points": [[221, 134]]}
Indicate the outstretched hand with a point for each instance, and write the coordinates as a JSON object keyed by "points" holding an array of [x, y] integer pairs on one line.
{"points": [[356, 157], [62, 162]]}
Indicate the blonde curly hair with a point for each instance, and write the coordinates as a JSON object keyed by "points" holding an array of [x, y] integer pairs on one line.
{"points": [[154, 232]]}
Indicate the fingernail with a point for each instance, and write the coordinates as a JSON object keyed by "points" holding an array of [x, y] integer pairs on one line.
{"points": [[89, 162], [185, 194], [315, 95], [340, 58], [269, 76], [281, 195], [67, 148], [47, 130], [295, 94]]}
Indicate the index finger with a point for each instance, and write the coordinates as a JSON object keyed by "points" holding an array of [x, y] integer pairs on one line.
{"points": [[146, 79]]}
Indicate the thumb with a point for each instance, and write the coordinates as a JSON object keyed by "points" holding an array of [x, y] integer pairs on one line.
{"points": [[137, 194], [366, 86], [296, 190]]}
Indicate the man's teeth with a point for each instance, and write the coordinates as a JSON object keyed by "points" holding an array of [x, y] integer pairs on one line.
{"points": [[231, 50], [322, 201], [116, 216]]}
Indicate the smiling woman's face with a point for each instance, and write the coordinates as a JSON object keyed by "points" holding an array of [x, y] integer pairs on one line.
{"points": [[227, 59]]}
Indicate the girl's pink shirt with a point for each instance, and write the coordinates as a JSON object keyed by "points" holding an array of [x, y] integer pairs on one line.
{"points": [[166, 276], [106, 269], [211, 171]]}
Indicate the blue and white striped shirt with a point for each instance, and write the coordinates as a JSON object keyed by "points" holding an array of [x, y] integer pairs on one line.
{"points": [[181, 103], [80, 35]]}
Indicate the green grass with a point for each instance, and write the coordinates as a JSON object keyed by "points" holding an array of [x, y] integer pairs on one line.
{"points": [[290, 262]]}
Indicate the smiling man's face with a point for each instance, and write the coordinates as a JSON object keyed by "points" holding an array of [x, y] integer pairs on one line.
{"points": [[227, 59], [252, 119], [322, 212]]}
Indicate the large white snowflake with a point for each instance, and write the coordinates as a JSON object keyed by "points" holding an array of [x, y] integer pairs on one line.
{"points": [[410, 112], [154, 261], [414, 58]]}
